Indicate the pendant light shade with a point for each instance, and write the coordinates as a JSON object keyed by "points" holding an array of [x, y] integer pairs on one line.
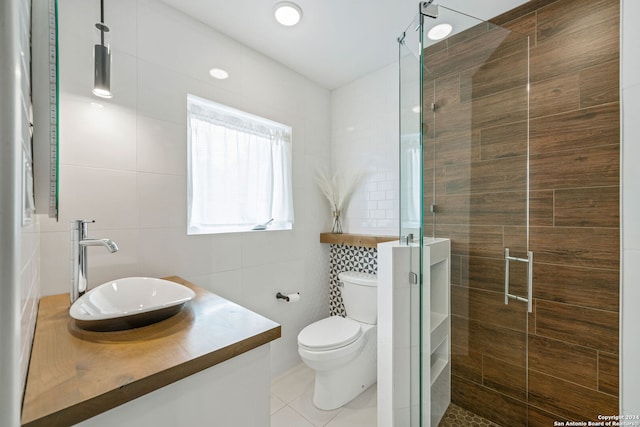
{"points": [[102, 71]]}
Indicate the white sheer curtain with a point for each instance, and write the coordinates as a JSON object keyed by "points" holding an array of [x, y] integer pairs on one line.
{"points": [[240, 170]]}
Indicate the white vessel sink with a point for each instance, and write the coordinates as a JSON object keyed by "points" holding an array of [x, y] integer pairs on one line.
{"points": [[129, 303]]}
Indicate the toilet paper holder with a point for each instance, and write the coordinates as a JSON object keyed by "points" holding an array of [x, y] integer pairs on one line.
{"points": [[287, 298]]}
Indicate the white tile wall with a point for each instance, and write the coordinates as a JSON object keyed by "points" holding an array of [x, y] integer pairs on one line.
{"points": [[29, 290], [106, 139], [159, 144], [365, 137], [630, 374], [29, 234], [123, 163], [20, 244]]}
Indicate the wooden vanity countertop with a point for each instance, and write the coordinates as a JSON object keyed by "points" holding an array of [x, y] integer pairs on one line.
{"points": [[76, 374]]}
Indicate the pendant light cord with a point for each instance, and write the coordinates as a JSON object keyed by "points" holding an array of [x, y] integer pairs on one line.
{"points": [[102, 22]]}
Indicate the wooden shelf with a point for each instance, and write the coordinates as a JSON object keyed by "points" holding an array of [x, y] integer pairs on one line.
{"points": [[362, 240], [76, 374]]}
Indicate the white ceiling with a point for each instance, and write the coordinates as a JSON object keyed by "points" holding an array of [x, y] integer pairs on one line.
{"points": [[337, 41]]}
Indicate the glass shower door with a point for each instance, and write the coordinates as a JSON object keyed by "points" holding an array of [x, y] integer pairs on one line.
{"points": [[411, 206], [411, 169], [475, 140]]}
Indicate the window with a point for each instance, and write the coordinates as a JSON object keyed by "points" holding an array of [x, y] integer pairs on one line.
{"points": [[239, 170]]}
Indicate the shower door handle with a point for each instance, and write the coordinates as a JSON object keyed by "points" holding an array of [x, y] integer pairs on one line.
{"points": [[507, 295]]}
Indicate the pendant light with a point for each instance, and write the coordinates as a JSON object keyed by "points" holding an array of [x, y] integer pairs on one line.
{"points": [[102, 61]]}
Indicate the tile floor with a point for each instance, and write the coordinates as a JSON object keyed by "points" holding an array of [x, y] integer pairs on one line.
{"points": [[457, 416], [292, 406]]}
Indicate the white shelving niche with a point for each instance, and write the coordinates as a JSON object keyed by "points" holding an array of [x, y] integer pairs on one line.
{"points": [[405, 361], [436, 319]]}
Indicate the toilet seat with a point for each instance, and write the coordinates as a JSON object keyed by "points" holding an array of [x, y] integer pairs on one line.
{"points": [[329, 334]]}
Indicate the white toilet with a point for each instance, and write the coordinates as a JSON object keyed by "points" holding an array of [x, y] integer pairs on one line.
{"points": [[343, 351]]}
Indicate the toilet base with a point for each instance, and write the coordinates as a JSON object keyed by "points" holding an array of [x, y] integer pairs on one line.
{"points": [[336, 387]]}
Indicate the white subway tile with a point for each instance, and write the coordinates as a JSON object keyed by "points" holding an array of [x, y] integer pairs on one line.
{"points": [[380, 214], [388, 227], [377, 195], [378, 176], [385, 204], [371, 186], [387, 185]]}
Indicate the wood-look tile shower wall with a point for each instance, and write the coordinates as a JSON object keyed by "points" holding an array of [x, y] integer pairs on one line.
{"points": [[476, 144]]}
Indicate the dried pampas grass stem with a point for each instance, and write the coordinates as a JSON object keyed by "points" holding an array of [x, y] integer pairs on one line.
{"points": [[338, 188]]}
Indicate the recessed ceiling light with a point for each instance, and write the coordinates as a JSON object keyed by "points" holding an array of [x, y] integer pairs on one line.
{"points": [[440, 31], [218, 73], [287, 13]]}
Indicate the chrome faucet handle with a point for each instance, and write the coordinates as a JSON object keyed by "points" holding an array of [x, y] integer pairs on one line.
{"points": [[81, 223], [85, 226], [85, 222], [80, 226]]}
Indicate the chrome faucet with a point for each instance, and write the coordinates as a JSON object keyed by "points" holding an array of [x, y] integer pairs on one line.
{"points": [[79, 243]]}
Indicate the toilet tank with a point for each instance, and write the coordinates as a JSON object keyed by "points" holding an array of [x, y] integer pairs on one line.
{"points": [[360, 296]]}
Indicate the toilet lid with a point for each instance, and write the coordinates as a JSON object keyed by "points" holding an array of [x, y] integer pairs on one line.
{"points": [[330, 333]]}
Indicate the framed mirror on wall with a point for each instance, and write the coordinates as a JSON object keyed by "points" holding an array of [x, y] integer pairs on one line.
{"points": [[45, 99]]}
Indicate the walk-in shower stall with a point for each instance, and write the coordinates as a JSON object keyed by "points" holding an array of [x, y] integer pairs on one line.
{"points": [[464, 161]]}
